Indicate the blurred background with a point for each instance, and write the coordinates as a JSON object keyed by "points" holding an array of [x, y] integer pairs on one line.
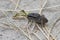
{"points": [[11, 29]]}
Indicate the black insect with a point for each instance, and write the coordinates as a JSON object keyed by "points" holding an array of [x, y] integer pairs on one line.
{"points": [[35, 17]]}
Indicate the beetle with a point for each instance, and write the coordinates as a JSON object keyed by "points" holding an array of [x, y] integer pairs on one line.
{"points": [[37, 18], [34, 17]]}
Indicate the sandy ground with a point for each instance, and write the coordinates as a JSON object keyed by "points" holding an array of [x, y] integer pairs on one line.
{"points": [[11, 29]]}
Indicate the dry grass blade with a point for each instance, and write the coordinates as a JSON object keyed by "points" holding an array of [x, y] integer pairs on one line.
{"points": [[9, 10], [52, 7], [33, 31], [49, 34], [29, 3], [42, 31], [46, 29], [42, 7], [17, 4], [14, 27], [31, 9], [17, 10], [25, 34], [55, 23], [37, 36]]}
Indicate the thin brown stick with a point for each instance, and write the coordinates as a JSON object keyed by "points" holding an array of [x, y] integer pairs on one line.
{"points": [[53, 26], [52, 7], [42, 7], [46, 31], [34, 32], [14, 26], [42, 31], [20, 1], [17, 4], [37, 36], [31, 9], [55, 23], [49, 34]]}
